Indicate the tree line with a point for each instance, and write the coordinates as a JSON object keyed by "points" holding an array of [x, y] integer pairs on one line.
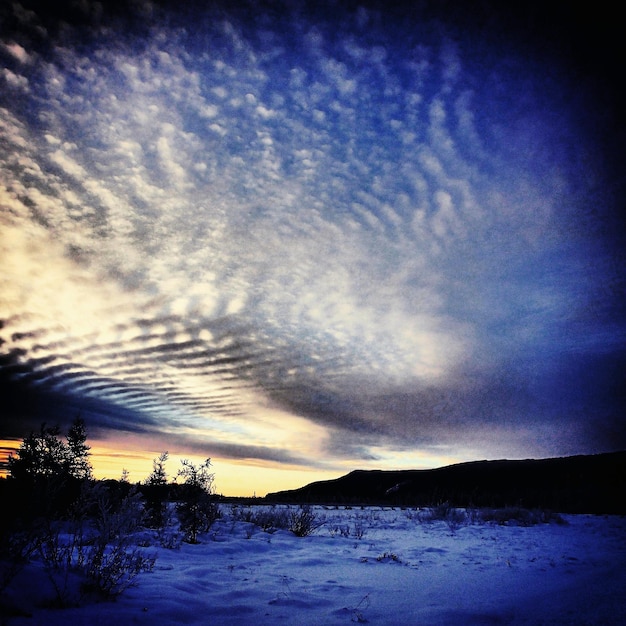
{"points": [[56, 513]]}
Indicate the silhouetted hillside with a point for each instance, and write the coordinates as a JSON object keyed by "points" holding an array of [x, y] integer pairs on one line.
{"points": [[577, 484]]}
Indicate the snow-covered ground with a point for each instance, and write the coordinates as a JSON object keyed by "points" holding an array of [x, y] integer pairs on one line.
{"points": [[372, 565]]}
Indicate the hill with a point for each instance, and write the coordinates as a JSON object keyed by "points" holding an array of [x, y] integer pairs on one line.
{"points": [[576, 484]]}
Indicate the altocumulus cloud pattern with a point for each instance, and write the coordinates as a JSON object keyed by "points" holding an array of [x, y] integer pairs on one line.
{"points": [[308, 232]]}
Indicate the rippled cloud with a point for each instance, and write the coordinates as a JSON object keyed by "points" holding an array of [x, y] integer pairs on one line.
{"points": [[288, 233]]}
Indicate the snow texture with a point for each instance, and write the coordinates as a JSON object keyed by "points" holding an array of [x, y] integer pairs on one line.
{"points": [[367, 565]]}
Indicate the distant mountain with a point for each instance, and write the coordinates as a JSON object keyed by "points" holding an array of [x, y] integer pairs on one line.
{"points": [[576, 484]]}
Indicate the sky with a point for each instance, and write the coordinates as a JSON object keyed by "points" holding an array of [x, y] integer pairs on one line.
{"points": [[303, 238]]}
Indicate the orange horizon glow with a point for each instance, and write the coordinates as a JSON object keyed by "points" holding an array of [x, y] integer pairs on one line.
{"points": [[244, 478], [239, 478]]}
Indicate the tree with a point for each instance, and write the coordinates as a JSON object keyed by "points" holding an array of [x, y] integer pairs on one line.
{"points": [[75, 525], [156, 493], [158, 475], [47, 472], [196, 509], [78, 464], [197, 477], [41, 455]]}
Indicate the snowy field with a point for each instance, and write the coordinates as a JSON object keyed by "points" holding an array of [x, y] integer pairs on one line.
{"points": [[368, 565]]}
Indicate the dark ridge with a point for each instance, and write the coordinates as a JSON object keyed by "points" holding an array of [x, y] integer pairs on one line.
{"points": [[577, 484]]}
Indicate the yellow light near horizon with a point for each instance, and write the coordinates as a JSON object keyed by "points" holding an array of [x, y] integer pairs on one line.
{"points": [[232, 478], [244, 478]]}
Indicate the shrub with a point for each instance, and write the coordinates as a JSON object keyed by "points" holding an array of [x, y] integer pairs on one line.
{"points": [[304, 521], [444, 511], [271, 520], [359, 529], [110, 570], [267, 519], [107, 569], [241, 514], [344, 531], [116, 509], [95, 546]]}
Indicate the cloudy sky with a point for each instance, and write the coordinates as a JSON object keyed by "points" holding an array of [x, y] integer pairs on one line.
{"points": [[301, 238]]}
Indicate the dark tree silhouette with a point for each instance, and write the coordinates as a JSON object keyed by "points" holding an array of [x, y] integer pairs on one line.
{"points": [[78, 464], [43, 455], [156, 492], [158, 475]]}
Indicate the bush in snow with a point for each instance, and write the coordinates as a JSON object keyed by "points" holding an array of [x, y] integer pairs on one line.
{"points": [[301, 522], [111, 569], [269, 520], [92, 551], [337, 529], [78, 563], [445, 512], [304, 521], [357, 530]]}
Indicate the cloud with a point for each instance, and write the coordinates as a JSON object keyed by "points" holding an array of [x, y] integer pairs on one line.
{"points": [[17, 52], [214, 224]]}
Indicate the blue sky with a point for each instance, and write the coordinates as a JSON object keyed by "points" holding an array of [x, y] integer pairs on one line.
{"points": [[311, 237]]}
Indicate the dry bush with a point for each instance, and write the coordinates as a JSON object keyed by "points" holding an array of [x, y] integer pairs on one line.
{"points": [[92, 552], [304, 521], [444, 511]]}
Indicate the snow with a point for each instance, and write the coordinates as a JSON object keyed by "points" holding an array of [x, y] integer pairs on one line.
{"points": [[402, 570]]}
